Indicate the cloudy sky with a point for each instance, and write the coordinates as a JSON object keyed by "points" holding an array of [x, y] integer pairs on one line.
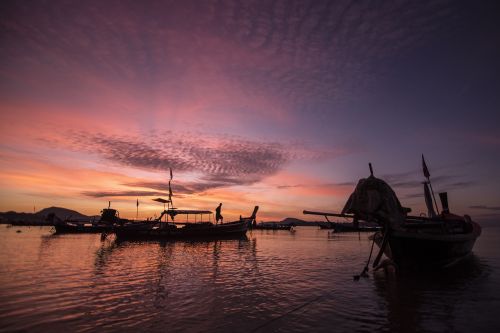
{"points": [[275, 103]]}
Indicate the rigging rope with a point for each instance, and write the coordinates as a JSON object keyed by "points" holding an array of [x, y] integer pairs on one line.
{"points": [[364, 273]]}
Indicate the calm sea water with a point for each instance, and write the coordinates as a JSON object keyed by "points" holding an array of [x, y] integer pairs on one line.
{"points": [[271, 282]]}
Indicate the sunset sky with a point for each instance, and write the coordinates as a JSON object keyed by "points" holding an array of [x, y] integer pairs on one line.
{"points": [[280, 104]]}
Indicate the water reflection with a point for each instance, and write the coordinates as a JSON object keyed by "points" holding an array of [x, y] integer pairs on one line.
{"points": [[79, 283], [426, 301], [175, 274], [46, 241], [102, 255]]}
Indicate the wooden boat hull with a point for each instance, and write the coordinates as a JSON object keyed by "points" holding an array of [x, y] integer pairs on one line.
{"points": [[189, 231], [420, 250], [109, 217]]}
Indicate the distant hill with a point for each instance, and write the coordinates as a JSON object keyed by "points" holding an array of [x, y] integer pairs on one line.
{"points": [[61, 213], [295, 221], [39, 218]]}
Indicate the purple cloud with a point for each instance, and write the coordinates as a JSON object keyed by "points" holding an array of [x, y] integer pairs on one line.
{"points": [[220, 161]]}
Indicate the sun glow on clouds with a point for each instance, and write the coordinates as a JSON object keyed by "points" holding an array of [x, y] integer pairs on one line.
{"points": [[248, 102], [207, 169]]}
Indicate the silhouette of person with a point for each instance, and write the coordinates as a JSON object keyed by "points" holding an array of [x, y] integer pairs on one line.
{"points": [[218, 216]]}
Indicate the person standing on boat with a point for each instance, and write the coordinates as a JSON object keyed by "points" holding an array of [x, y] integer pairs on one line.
{"points": [[218, 215]]}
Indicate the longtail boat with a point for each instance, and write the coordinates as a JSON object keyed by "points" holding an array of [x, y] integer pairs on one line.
{"points": [[178, 225], [416, 242], [169, 226], [109, 217]]}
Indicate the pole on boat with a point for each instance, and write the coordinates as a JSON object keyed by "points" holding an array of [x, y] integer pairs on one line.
{"points": [[137, 210], [428, 176], [170, 188], [444, 202], [308, 212], [371, 169]]}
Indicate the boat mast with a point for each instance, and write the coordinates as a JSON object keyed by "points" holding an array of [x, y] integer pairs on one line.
{"points": [[428, 176], [170, 188]]}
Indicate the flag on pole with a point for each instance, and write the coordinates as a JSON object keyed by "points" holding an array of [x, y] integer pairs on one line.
{"points": [[171, 175], [137, 202], [424, 167]]}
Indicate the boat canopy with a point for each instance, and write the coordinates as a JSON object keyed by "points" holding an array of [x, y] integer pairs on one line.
{"points": [[161, 200], [187, 211]]}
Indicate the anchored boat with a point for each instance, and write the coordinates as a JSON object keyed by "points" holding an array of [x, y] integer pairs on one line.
{"points": [[176, 224], [438, 240], [109, 217], [179, 225]]}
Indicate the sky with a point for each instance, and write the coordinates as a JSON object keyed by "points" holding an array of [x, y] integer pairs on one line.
{"points": [[280, 104]]}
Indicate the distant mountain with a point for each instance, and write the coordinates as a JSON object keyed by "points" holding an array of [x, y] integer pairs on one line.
{"points": [[39, 218], [61, 213], [295, 221]]}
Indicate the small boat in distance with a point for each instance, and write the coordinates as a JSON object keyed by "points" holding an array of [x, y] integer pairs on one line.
{"points": [[109, 217], [270, 226], [411, 242], [345, 226]]}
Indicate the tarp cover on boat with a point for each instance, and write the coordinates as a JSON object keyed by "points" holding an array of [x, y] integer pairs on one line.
{"points": [[374, 200]]}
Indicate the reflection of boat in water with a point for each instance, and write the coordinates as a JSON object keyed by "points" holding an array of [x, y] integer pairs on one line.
{"points": [[420, 301], [109, 217], [175, 229], [411, 241]]}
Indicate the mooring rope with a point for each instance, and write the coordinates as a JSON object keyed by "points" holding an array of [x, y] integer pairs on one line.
{"points": [[317, 298], [266, 323], [365, 270]]}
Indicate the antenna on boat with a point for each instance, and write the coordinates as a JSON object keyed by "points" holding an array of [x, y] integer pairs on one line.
{"points": [[371, 169], [428, 176]]}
